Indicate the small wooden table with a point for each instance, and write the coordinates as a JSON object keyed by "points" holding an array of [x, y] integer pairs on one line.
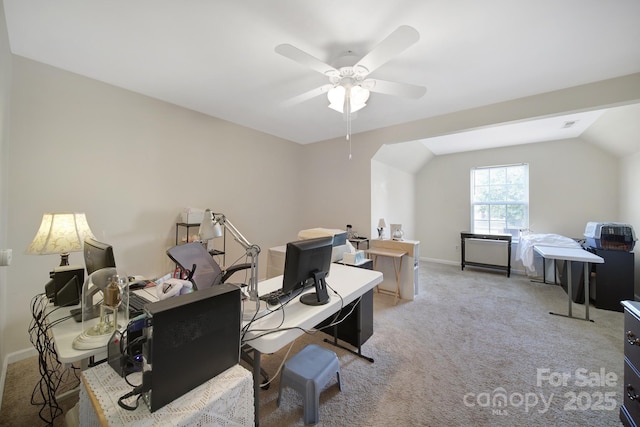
{"points": [[395, 255]]}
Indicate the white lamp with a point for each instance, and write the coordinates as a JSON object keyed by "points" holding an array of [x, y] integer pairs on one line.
{"points": [[60, 233], [209, 227], [357, 97], [381, 226]]}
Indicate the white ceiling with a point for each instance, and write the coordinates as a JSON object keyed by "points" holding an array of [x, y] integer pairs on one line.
{"points": [[547, 129], [217, 57]]}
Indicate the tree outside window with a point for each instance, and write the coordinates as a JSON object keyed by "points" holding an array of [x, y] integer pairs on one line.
{"points": [[500, 199]]}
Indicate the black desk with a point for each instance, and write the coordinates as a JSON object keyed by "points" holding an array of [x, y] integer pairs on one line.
{"points": [[505, 237], [357, 240]]}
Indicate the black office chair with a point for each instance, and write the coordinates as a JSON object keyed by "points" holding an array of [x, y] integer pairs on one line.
{"points": [[204, 272]]}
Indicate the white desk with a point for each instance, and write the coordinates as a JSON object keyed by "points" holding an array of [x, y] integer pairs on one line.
{"points": [[572, 254], [66, 331], [225, 399], [349, 282]]}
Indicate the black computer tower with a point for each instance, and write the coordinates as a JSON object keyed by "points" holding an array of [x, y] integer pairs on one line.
{"points": [[190, 339]]}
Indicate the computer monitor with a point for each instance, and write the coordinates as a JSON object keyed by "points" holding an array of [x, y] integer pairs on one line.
{"points": [[307, 263], [97, 255]]}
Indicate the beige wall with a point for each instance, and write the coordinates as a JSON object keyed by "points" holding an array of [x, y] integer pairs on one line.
{"points": [[131, 163], [5, 89], [392, 198], [337, 189], [571, 182], [630, 203]]}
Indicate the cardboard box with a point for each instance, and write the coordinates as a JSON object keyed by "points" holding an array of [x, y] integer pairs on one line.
{"points": [[192, 215]]}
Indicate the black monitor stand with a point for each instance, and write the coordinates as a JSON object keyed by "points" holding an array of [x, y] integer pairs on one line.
{"points": [[320, 296]]}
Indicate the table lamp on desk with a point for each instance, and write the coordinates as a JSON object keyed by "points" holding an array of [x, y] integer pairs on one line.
{"points": [[381, 225], [62, 233]]}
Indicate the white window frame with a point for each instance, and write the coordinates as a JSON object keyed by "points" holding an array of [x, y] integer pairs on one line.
{"points": [[494, 226]]}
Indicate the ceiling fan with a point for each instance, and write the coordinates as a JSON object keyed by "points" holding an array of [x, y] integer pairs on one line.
{"points": [[349, 86]]}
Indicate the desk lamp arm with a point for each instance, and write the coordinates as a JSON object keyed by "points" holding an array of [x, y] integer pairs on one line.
{"points": [[252, 252]]}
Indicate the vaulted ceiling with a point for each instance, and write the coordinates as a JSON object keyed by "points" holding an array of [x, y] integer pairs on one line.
{"points": [[218, 57]]}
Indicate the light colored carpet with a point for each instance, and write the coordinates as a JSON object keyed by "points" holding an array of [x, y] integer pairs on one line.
{"points": [[468, 337], [446, 358]]}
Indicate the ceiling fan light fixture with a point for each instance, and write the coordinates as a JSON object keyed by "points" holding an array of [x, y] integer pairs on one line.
{"points": [[336, 98], [358, 97]]}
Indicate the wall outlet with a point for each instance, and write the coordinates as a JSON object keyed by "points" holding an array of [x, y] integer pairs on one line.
{"points": [[5, 257]]}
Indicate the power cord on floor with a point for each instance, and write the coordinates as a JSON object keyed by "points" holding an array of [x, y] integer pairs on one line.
{"points": [[52, 372]]}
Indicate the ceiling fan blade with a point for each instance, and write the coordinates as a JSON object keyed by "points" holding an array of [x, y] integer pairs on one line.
{"points": [[305, 59], [394, 88], [403, 37], [307, 95]]}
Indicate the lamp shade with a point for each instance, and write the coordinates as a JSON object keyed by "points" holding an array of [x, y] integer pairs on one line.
{"points": [[60, 233], [209, 227], [357, 97], [381, 223]]}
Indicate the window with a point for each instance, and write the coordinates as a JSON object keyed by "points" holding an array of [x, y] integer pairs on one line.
{"points": [[500, 199]]}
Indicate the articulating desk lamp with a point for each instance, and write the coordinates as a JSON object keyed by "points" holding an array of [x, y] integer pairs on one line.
{"points": [[210, 228]]}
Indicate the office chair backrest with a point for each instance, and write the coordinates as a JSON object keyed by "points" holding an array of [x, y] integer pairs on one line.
{"points": [[207, 271]]}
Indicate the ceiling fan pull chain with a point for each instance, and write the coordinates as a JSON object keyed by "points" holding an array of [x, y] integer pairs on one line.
{"points": [[347, 111], [349, 135]]}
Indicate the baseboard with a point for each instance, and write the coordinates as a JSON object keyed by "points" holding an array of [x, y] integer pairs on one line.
{"points": [[447, 262], [440, 261], [12, 358], [19, 355], [3, 375]]}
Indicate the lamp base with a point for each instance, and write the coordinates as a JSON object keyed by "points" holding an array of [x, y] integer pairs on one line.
{"points": [[253, 311], [64, 258]]}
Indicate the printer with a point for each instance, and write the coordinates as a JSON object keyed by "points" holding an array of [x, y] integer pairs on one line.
{"points": [[610, 235]]}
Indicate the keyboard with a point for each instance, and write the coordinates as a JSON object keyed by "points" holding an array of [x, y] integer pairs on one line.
{"points": [[277, 297], [136, 304]]}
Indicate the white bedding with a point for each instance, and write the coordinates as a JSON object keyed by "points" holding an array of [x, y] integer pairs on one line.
{"points": [[525, 253]]}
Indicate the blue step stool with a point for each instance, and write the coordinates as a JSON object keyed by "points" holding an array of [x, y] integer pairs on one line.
{"points": [[308, 372]]}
